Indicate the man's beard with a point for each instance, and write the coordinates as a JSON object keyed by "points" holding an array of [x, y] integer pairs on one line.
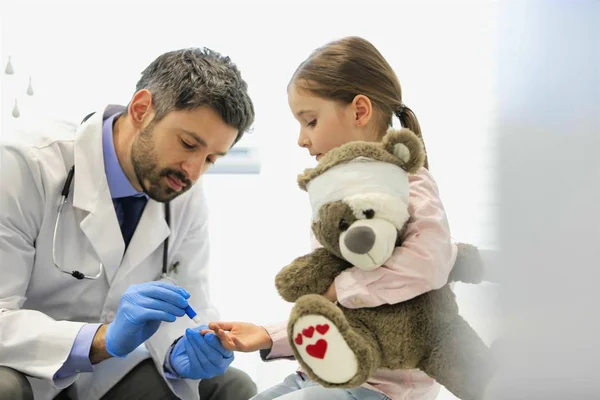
{"points": [[147, 171]]}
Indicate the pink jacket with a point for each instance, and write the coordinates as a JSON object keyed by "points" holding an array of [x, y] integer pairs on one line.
{"points": [[421, 264]]}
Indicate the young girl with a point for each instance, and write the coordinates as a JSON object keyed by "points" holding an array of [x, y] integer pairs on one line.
{"points": [[346, 91]]}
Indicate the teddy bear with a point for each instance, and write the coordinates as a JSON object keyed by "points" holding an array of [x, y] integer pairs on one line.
{"points": [[359, 197]]}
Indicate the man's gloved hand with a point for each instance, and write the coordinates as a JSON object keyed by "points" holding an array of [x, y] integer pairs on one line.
{"points": [[199, 357], [141, 310]]}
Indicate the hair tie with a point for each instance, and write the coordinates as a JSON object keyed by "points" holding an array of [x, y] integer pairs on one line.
{"points": [[400, 110]]}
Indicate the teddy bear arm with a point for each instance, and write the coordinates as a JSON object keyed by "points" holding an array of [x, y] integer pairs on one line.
{"points": [[468, 267], [459, 360], [309, 274]]}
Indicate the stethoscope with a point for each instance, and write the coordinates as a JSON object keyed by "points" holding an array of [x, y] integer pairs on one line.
{"points": [[80, 275]]}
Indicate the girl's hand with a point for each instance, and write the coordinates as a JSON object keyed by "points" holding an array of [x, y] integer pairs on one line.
{"points": [[240, 336], [331, 293]]}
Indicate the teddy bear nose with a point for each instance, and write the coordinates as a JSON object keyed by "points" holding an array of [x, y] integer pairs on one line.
{"points": [[360, 240]]}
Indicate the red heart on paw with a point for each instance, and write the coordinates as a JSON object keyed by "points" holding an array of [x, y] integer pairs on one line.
{"points": [[322, 329], [318, 349], [308, 332], [298, 339]]}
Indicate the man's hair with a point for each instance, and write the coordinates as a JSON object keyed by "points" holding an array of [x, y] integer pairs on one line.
{"points": [[190, 78]]}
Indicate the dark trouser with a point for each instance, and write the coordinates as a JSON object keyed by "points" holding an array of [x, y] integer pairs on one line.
{"points": [[14, 385], [142, 382]]}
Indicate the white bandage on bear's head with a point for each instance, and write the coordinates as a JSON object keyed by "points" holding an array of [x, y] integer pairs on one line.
{"points": [[359, 176]]}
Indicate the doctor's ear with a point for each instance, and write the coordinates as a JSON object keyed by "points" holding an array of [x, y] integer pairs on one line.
{"points": [[140, 108]]}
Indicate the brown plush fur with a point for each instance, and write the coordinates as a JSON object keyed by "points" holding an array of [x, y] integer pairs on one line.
{"points": [[410, 140], [300, 277], [383, 151], [467, 267], [425, 332], [326, 229]]}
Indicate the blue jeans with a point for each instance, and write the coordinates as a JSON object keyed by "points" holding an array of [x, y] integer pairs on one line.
{"points": [[298, 387]]}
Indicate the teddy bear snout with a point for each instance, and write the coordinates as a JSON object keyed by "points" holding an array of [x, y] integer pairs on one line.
{"points": [[360, 239]]}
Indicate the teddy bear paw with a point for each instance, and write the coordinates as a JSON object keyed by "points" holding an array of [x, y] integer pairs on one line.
{"points": [[324, 350]]}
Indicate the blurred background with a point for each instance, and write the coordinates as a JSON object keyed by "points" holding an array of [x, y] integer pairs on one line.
{"points": [[496, 85]]}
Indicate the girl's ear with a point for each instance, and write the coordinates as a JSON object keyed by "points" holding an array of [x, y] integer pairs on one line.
{"points": [[362, 109]]}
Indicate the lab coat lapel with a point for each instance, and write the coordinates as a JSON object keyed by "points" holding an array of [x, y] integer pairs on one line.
{"points": [[150, 233], [91, 194]]}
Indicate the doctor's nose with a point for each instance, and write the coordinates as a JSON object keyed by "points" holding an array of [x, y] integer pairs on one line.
{"points": [[194, 167]]}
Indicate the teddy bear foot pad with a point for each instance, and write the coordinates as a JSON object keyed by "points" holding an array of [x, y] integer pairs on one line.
{"points": [[323, 348]]}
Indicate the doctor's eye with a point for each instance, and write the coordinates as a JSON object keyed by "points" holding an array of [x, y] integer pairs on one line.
{"points": [[369, 213], [343, 225], [186, 145]]}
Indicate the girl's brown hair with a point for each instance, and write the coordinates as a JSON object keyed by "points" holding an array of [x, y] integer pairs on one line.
{"points": [[344, 68]]}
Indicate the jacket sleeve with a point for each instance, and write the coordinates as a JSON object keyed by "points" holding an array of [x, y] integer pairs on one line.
{"points": [[192, 273], [31, 342], [422, 263], [79, 358], [281, 348]]}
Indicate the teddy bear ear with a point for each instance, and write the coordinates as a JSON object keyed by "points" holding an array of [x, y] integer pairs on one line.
{"points": [[406, 146]]}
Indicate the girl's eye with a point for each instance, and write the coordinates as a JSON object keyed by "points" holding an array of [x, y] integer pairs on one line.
{"points": [[312, 123]]}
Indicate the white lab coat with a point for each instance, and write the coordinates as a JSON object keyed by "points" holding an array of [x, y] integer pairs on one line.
{"points": [[41, 308]]}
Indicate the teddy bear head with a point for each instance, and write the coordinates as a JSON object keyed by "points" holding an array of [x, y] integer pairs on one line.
{"points": [[359, 196]]}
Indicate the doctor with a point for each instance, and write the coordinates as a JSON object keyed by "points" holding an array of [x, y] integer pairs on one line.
{"points": [[92, 300]]}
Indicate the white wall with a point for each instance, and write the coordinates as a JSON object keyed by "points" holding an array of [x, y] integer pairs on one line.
{"points": [[84, 54]]}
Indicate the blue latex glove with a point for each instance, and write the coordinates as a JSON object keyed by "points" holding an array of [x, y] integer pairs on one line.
{"points": [[200, 357], [142, 309]]}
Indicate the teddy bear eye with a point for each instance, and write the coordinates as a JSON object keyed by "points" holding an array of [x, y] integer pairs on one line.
{"points": [[369, 213], [343, 225]]}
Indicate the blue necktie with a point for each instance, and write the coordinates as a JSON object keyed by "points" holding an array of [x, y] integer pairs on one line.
{"points": [[131, 211]]}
